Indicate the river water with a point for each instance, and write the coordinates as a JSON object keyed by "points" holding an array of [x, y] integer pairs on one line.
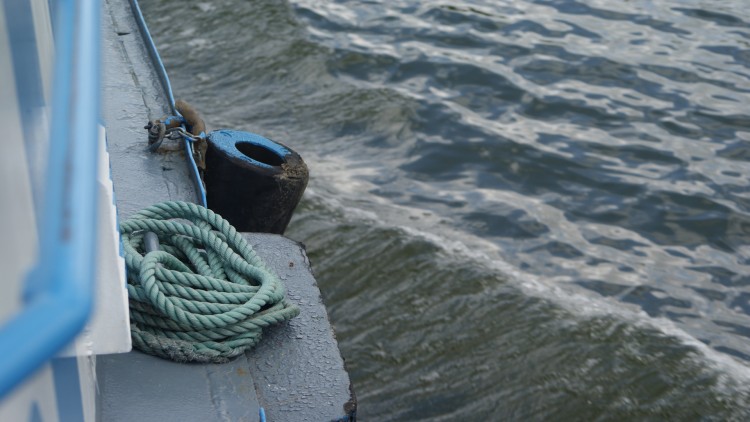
{"points": [[518, 210]]}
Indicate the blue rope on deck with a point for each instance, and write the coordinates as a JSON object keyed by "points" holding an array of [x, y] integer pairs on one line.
{"points": [[161, 70]]}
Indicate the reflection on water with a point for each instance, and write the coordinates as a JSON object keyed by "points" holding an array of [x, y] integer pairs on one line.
{"points": [[518, 209]]}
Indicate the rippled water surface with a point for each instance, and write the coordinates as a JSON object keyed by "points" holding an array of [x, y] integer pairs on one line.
{"points": [[518, 210]]}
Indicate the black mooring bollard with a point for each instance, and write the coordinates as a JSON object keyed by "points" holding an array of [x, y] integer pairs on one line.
{"points": [[253, 182]]}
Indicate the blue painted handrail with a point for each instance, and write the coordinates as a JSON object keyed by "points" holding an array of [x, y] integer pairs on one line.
{"points": [[59, 291]]}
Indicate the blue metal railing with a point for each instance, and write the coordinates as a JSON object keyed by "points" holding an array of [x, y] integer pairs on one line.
{"points": [[58, 293]]}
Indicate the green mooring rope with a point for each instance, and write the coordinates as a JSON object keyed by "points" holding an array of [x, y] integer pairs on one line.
{"points": [[205, 295]]}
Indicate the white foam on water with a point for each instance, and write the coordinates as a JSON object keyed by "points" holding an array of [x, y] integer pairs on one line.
{"points": [[341, 187]]}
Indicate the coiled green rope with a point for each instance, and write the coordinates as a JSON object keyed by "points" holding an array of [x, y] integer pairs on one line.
{"points": [[205, 296]]}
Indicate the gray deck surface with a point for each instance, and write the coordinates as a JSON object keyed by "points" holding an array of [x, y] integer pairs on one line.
{"points": [[296, 373]]}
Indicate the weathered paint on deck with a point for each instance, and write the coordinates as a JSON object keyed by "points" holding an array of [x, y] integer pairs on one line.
{"points": [[296, 373]]}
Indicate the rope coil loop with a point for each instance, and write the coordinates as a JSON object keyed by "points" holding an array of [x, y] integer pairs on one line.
{"points": [[204, 296]]}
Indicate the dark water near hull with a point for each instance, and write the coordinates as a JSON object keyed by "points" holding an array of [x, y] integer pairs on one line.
{"points": [[518, 210]]}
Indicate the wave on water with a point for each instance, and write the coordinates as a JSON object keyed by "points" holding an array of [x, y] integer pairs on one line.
{"points": [[347, 180]]}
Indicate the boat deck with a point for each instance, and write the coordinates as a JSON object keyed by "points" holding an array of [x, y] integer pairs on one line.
{"points": [[296, 373]]}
